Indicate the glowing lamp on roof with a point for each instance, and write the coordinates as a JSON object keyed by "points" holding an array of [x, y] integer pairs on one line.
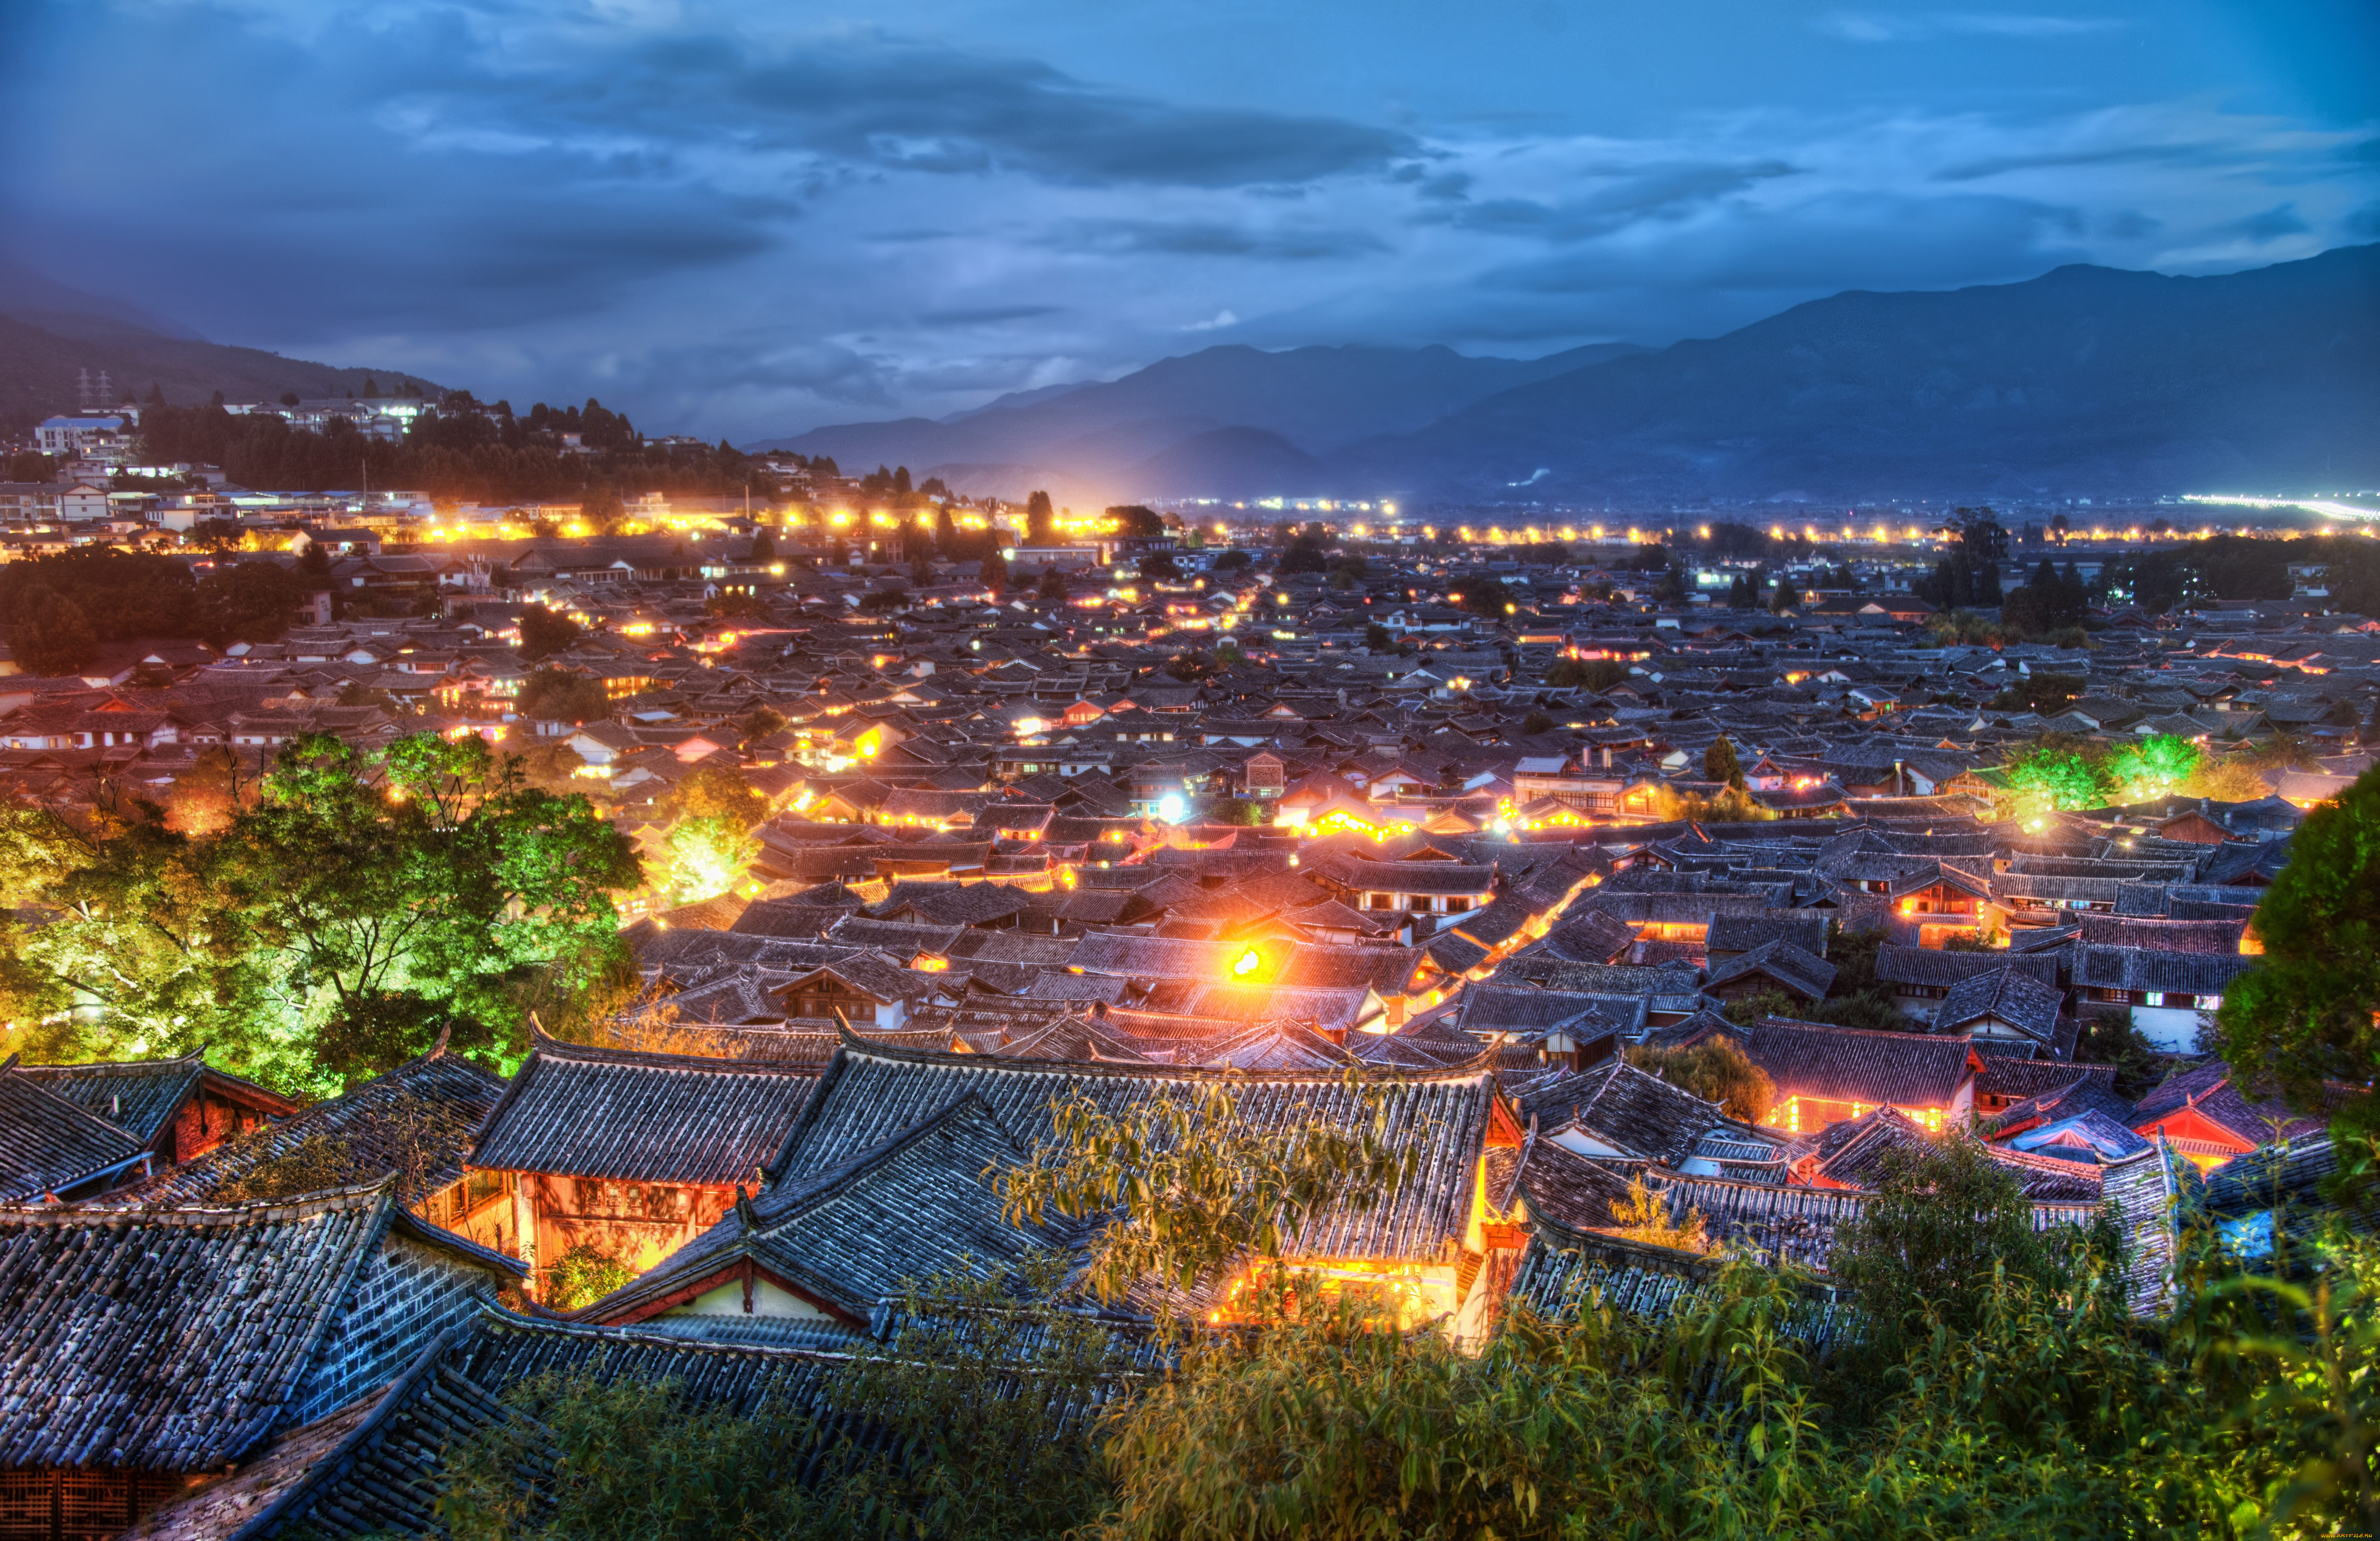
{"points": [[1247, 963], [1171, 808]]}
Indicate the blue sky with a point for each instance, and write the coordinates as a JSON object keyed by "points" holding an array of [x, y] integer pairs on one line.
{"points": [[750, 219]]}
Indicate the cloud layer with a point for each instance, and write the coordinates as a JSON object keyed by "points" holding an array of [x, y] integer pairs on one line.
{"points": [[743, 226]]}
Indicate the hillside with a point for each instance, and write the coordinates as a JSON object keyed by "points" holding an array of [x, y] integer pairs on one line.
{"points": [[1151, 433], [49, 332], [2084, 380]]}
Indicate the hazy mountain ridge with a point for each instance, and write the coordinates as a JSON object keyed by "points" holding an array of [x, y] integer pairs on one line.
{"points": [[1158, 422], [51, 331], [2086, 379]]}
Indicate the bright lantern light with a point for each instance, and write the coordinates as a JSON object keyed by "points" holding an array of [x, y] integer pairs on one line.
{"points": [[1247, 963]]}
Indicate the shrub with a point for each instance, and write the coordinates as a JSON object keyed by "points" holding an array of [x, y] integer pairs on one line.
{"points": [[584, 1275]]}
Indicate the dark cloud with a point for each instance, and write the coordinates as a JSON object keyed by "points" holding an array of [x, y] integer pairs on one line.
{"points": [[1833, 241], [2271, 226], [993, 315], [2114, 155], [911, 106], [1211, 239], [1657, 192], [731, 219]]}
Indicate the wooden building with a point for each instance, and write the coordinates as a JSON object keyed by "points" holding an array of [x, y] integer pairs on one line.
{"points": [[626, 1154]]}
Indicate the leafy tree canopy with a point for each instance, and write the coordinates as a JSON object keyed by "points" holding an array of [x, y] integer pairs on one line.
{"points": [[364, 902], [559, 695], [2311, 1013], [545, 632]]}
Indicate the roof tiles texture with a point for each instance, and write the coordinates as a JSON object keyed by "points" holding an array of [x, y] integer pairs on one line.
{"points": [[633, 1117]]}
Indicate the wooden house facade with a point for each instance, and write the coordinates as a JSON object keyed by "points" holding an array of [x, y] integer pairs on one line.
{"points": [[625, 1153]]}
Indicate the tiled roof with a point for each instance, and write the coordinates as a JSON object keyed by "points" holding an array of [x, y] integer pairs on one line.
{"points": [[2130, 968], [913, 1207], [1936, 967], [1853, 1064], [413, 1119], [637, 1117], [48, 1144], [2009, 994], [170, 1340], [373, 1467], [1641, 1115], [870, 1094], [136, 1095]]}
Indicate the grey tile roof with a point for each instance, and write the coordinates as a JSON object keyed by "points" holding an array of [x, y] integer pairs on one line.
{"points": [[1932, 967], [850, 1237], [1568, 1270], [871, 1093], [617, 1113], [1781, 961], [2009, 994], [137, 1095], [1853, 1064], [413, 1119], [373, 1467], [2110, 967], [1641, 1115], [172, 1340], [48, 1144]]}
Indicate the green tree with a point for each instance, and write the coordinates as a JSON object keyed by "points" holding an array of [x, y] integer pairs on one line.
{"points": [[2157, 764], [716, 790], [1641, 1217], [709, 856], [2309, 1017], [2043, 779], [557, 694], [249, 601], [1136, 522], [2046, 693], [1481, 595], [602, 509], [1040, 520], [545, 632], [1187, 1186], [1597, 674], [993, 573], [2109, 1037], [1053, 587], [1158, 565], [1716, 1070], [1721, 764], [52, 635], [1946, 1223], [367, 899]]}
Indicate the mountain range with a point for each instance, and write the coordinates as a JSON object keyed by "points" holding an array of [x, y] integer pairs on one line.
{"points": [[50, 333], [2085, 380]]}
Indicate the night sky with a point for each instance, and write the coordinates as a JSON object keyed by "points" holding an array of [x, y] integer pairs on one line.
{"points": [[749, 219]]}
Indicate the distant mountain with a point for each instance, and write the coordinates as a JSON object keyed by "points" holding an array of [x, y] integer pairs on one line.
{"points": [[50, 333], [2085, 380], [1150, 433]]}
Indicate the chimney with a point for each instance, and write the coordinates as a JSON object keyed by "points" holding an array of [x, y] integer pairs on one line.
{"points": [[1607, 756]]}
